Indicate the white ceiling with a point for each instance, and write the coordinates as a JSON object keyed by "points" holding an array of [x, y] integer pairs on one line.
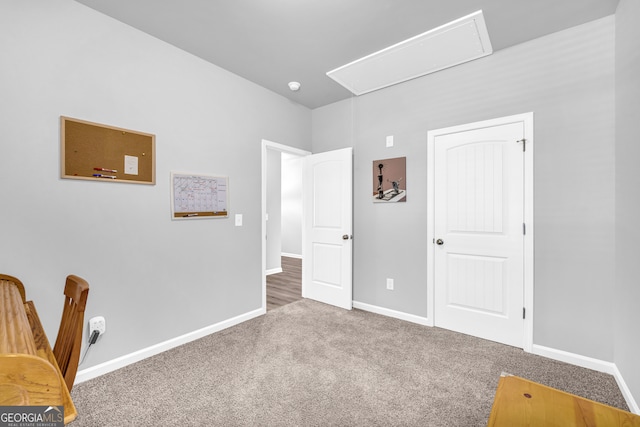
{"points": [[273, 42]]}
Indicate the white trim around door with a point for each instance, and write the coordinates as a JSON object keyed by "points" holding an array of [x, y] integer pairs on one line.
{"points": [[269, 145]]}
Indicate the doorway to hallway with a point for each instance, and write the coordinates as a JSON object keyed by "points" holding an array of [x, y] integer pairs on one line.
{"points": [[327, 200], [281, 224]]}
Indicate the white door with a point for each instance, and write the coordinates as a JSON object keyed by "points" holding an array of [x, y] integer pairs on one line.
{"points": [[327, 251], [479, 232]]}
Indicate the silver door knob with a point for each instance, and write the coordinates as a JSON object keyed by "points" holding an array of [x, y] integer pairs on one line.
{"points": [[440, 242], [345, 237]]}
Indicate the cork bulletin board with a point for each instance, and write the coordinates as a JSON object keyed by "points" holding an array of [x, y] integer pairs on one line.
{"points": [[99, 152]]}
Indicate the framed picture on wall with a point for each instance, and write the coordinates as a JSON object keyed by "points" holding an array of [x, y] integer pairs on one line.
{"points": [[390, 180]]}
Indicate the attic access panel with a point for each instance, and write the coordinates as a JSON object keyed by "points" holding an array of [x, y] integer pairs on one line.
{"points": [[459, 41]]}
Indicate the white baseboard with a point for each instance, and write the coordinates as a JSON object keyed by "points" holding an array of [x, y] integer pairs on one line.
{"points": [[574, 359], [273, 271], [624, 389], [392, 313], [590, 363], [128, 359], [288, 255]]}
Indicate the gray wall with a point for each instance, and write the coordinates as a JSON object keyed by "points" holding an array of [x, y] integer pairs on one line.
{"points": [[284, 207], [567, 80], [627, 314], [152, 278], [291, 204], [274, 210]]}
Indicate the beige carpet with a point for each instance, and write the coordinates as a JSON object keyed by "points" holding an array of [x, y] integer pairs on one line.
{"points": [[309, 364]]}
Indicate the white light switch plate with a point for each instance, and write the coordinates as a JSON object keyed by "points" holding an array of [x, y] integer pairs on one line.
{"points": [[238, 220], [390, 141]]}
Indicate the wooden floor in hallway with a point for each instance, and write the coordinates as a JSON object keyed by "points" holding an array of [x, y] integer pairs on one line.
{"points": [[286, 287]]}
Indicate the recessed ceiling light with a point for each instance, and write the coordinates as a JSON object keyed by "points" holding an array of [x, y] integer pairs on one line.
{"points": [[294, 86]]}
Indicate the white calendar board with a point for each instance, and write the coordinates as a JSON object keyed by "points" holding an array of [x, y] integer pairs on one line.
{"points": [[199, 196]]}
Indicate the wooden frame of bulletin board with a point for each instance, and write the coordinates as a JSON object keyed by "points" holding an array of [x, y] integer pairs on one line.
{"points": [[106, 153]]}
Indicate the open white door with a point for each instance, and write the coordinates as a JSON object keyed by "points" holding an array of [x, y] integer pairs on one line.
{"points": [[327, 250]]}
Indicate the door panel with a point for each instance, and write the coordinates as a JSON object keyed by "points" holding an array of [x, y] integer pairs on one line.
{"points": [[327, 271], [327, 190], [477, 283], [324, 255], [479, 216]]}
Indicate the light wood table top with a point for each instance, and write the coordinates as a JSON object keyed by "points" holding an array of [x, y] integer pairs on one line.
{"points": [[519, 402]]}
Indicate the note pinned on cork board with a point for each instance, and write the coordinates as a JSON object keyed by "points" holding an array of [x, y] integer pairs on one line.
{"points": [[130, 165]]}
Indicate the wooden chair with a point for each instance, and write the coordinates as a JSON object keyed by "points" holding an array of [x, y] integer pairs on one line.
{"points": [[69, 339]]}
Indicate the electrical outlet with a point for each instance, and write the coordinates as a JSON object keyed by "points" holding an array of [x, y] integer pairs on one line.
{"points": [[97, 324], [390, 284]]}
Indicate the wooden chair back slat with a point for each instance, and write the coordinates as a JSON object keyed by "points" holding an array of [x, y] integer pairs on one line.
{"points": [[69, 340]]}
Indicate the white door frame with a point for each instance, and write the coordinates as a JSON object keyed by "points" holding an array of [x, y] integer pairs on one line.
{"points": [[527, 120], [269, 145]]}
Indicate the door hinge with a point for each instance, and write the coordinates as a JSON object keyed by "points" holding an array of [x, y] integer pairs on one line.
{"points": [[524, 229], [523, 312], [524, 144]]}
